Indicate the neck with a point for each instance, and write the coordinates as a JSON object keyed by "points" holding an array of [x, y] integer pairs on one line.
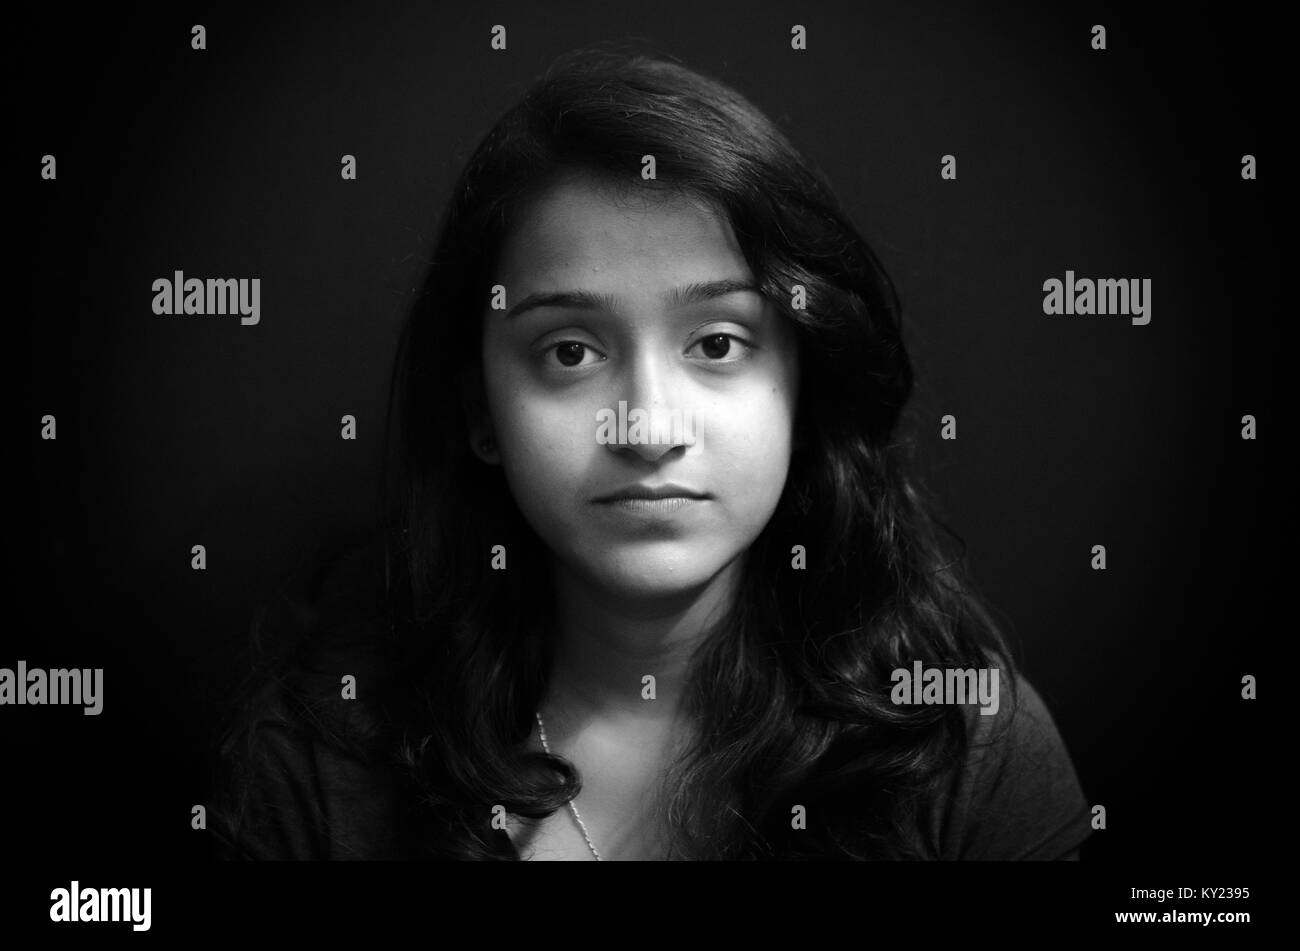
{"points": [[608, 642]]}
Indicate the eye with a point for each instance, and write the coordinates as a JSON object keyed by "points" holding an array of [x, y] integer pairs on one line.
{"points": [[720, 348], [570, 353]]}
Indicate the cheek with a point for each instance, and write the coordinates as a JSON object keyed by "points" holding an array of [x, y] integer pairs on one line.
{"points": [[543, 428], [545, 447], [751, 446], [531, 418]]}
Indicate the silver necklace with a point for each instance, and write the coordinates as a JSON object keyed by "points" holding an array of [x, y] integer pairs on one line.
{"points": [[541, 728]]}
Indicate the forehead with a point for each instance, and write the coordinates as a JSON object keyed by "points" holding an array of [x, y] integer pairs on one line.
{"points": [[583, 226]]}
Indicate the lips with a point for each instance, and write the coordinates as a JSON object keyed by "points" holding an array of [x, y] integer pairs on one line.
{"points": [[669, 490]]}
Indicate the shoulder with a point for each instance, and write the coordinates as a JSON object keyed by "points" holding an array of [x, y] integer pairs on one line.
{"points": [[303, 770], [286, 792], [1016, 795]]}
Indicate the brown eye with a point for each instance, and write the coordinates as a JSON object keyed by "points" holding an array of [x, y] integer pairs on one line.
{"points": [[570, 354], [716, 347]]}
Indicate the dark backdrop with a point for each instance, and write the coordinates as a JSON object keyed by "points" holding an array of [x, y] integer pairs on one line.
{"points": [[1073, 431]]}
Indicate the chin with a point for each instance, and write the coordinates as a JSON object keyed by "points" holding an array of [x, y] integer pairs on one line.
{"points": [[644, 574]]}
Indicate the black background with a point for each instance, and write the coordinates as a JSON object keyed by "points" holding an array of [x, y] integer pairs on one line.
{"points": [[1073, 431]]}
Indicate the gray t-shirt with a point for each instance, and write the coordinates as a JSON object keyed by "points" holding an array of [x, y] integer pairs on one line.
{"points": [[1016, 796]]}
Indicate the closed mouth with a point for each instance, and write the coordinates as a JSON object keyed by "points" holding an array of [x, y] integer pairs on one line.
{"points": [[651, 493]]}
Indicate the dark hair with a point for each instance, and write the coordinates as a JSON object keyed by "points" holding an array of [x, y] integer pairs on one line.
{"points": [[792, 688]]}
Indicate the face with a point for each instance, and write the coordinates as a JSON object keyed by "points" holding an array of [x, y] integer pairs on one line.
{"points": [[616, 310]]}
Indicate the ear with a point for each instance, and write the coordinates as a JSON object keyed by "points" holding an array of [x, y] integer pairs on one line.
{"points": [[483, 444], [478, 422]]}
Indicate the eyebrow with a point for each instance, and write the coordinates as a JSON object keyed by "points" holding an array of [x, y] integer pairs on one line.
{"points": [[590, 300]]}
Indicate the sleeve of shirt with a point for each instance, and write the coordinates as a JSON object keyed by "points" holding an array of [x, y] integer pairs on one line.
{"points": [[286, 797], [284, 792], [1018, 796], [269, 805]]}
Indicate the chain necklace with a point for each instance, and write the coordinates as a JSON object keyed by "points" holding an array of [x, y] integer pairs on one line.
{"points": [[541, 728]]}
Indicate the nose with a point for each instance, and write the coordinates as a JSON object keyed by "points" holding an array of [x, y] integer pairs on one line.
{"points": [[652, 402]]}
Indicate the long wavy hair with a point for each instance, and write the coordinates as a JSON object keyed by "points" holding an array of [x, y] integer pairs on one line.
{"points": [[792, 688]]}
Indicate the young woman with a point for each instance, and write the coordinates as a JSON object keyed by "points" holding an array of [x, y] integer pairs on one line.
{"points": [[653, 565]]}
